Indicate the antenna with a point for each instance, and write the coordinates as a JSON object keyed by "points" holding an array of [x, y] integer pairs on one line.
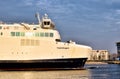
{"points": [[38, 17], [46, 16]]}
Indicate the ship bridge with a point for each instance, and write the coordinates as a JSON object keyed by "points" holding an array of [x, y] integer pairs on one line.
{"points": [[44, 30]]}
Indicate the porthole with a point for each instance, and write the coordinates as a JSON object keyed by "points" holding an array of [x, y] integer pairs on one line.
{"points": [[1, 33], [0, 27]]}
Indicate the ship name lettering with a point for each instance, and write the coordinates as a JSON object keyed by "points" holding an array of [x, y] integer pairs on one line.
{"points": [[62, 47]]}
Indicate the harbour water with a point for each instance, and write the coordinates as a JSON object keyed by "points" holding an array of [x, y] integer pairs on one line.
{"points": [[104, 71]]}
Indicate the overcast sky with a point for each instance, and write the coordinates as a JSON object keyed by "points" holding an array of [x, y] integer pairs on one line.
{"points": [[90, 22]]}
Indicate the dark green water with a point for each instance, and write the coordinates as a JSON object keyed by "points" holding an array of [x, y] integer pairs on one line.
{"points": [[106, 71]]}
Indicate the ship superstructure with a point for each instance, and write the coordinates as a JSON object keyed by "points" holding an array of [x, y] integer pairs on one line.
{"points": [[38, 46]]}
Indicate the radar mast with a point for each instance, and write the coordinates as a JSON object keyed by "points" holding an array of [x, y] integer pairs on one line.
{"points": [[38, 18]]}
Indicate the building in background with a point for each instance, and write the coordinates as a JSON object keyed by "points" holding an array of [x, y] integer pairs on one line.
{"points": [[113, 56], [99, 55], [118, 49]]}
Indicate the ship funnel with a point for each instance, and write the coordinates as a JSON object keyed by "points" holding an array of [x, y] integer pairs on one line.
{"points": [[38, 17]]}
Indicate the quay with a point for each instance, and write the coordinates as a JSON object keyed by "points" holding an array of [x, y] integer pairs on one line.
{"points": [[113, 62], [103, 62]]}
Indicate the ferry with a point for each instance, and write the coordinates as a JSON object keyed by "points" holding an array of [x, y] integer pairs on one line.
{"points": [[26, 46]]}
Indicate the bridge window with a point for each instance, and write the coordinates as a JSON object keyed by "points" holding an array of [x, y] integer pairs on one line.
{"points": [[51, 34], [42, 34], [22, 34], [46, 23], [37, 34], [46, 35], [17, 33], [12, 33]]}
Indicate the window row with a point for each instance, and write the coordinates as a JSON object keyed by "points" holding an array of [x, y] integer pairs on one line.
{"points": [[37, 34], [29, 42]]}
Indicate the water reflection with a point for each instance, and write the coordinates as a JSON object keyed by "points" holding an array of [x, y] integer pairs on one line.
{"points": [[106, 71], [69, 74]]}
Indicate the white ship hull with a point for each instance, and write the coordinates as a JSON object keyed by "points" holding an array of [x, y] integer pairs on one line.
{"points": [[24, 46], [47, 56]]}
